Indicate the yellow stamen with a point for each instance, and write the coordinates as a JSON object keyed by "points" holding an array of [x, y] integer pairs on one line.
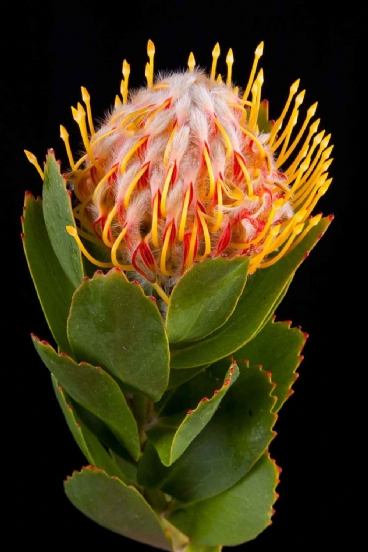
{"points": [[207, 238], [184, 215], [87, 100], [165, 250], [292, 121], [303, 150], [73, 232], [219, 79], [107, 227], [79, 115], [229, 148], [117, 101], [229, 63], [169, 144], [153, 113], [130, 153], [274, 260], [133, 114], [322, 190], [285, 136], [119, 113], [160, 86], [312, 222], [115, 248], [95, 141], [257, 54], [154, 229], [125, 81], [151, 55], [242, 109], [191, 62], [232, 191], [246, 176], [254, 113], [256, 141], [102, 182], [211, 176], [317, 180], [89, 237], [293, 89], [147, 72], [253, 104], [80, 162], [161, 293], [303, 167], [236, 90], [220, 214], [133, 184], [166, 189], [315, 168], [33, 160], [284, 155], [311, 188], [255, 261], [275, 207], [215, 56], [286, 230], [193, 237], [65, 138]]}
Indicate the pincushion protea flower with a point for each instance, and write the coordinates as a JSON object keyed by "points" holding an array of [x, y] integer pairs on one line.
{"points": [[183, 170], [187, 169]]}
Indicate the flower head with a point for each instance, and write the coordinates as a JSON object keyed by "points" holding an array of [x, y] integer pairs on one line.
{"points": [[189, 166]]}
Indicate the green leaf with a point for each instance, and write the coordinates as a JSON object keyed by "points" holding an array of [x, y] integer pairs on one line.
{"points": [[75, 428], [238, 515], [187, 395], [114, 325], [118, 453], [95, 390], [89, 444], [53, 288], [225, 450], [172, 435], [178, 377], [58, 214], [201, 548], [277, 347], [205, 297], [110, 503], [256, 305]]}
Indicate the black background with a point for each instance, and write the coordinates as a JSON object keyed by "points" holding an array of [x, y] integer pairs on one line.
{"points": [[54, 49]]}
